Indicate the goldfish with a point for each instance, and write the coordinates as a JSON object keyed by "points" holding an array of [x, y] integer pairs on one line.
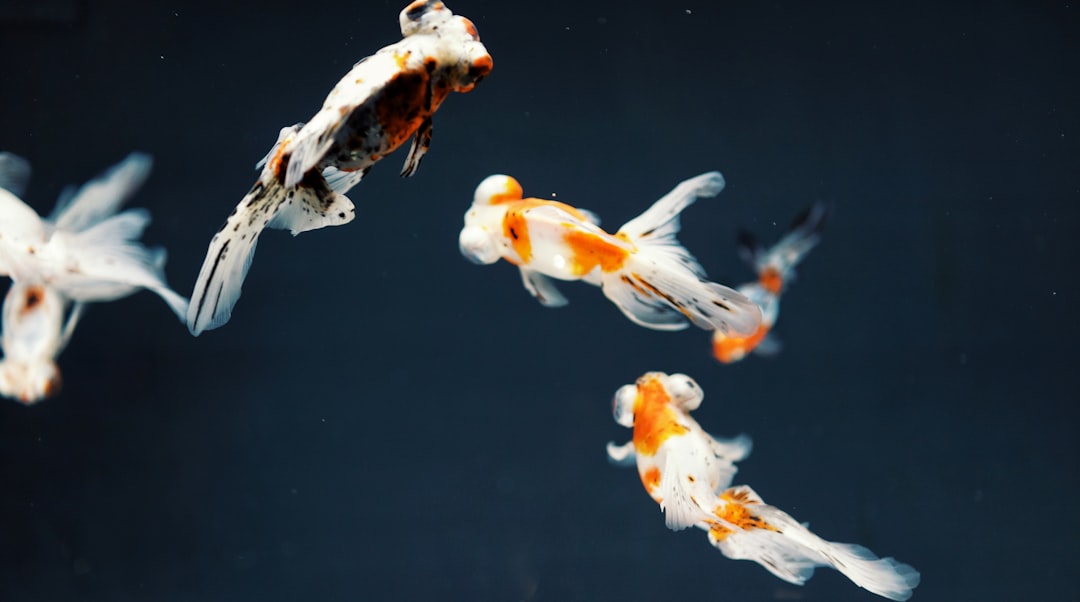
{"points": [[36, 327], [376, 107], [775, 268], [83, 252], [689, 473], [641, 268]]}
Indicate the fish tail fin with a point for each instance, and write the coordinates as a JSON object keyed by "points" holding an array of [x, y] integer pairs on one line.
{"points": [[312, 204], [775, 266], [113, 263], [661, 285], [769, 536]]}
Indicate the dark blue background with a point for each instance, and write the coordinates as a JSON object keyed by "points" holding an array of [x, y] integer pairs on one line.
{"points": [[383, 420]]}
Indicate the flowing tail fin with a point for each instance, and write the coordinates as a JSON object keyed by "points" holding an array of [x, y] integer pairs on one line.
{"points": [[754, 530], [776, 266], [312, 204], [661, 285]]}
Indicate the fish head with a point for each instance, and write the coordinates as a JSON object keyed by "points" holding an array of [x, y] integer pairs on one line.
{"points": [[483, 222], [423, 16]]}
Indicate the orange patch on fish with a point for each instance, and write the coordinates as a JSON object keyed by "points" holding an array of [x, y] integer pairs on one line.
{"points": [[734, 511], [516, 230], [470, 29], [277, 163], [718, 532], [654, 418], [512, 192], [481, 67], [732, 349], [400, 107], [34, 296], [771, 280], [651, 479], [591, 250]]}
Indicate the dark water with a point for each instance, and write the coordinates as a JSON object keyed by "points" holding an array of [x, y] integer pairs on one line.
{"points": [[383, 420]]}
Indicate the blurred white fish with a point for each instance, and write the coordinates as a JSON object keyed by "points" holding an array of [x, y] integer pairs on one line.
{"points": [[689, 472], [83, 252], [36, 327], [376, 107]]}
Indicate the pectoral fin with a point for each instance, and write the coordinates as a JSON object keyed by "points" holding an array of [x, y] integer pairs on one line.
{"points": [[541, 287], [420, 144]]}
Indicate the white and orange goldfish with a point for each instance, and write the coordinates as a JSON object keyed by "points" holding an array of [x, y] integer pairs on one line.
{"points": [[642, 268], [775, 268], [383, 101], [689, 472], [84, 252]]}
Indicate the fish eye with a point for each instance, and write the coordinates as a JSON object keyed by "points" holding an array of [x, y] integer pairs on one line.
{"points": [[685, 392], [422, 15], [622, 405]]}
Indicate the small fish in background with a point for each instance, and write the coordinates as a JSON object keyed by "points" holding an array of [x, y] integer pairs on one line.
{"points": [[83, 252], [775, 268], [642, 268], [384, 100], [689, 472]]}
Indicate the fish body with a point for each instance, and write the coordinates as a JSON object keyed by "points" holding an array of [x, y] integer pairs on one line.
{"points": [[382, 102], [688, 472], [775, 269], [83, 252], [641, 268], [36, 327]]}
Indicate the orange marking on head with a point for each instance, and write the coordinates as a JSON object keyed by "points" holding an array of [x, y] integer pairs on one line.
{"points": [[651, 479], [482, 65], [732, 349], [512, 192], [470, 28], [734, 511], [771, 279], [591, 250], [654, 418]]}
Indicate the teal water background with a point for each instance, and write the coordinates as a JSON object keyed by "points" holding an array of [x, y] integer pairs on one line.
{"points": [[383, 420]]}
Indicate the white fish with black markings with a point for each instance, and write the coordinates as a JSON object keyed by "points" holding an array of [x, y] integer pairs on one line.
{"points": [[376, 107]]}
